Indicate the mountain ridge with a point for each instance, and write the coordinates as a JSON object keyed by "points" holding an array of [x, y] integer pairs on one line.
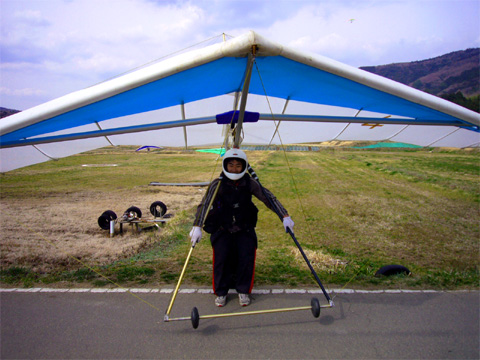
{"points": [[458, 71]]}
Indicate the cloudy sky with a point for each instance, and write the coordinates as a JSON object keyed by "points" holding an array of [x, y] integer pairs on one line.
{"points": [[49, 48]]}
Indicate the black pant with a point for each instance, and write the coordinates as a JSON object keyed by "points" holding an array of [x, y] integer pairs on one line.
{"points": [[233, 261]]}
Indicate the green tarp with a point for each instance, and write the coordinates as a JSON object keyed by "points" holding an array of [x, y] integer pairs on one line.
{"points": [[387, 145], [213, 151]]}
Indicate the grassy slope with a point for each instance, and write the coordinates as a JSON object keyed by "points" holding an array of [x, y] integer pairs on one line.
{"points": [[355, 210]]}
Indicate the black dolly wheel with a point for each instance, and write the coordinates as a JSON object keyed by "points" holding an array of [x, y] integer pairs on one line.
{"points": [[105, 218], [158, 209], [195, 318], [315, 307], [135, 210]]}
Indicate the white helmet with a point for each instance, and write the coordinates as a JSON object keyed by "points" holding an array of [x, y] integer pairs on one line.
{"points": [[238, 155]]}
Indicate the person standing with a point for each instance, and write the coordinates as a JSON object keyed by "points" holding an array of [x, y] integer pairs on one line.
{"points": [[231, 222]]}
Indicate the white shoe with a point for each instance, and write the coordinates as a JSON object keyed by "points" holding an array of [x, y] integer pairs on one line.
{"points": [[244, 299], [220, 301]]}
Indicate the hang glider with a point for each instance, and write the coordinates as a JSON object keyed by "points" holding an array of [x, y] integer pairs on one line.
{"points": [[148, 147], [299, 98]]}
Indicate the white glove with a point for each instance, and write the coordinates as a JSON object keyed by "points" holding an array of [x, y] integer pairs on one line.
{"points": [[288, 223], [195, 235]]}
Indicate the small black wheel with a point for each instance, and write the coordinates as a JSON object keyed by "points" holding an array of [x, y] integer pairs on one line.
{"points": [[135, 210], [105, 218], [195, 318], [158, 209], [315, 307]]}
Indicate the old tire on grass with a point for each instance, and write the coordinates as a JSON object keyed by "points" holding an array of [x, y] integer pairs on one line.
{"points": [[135, 210], [158, 209], [389, 270], [105, 218]]}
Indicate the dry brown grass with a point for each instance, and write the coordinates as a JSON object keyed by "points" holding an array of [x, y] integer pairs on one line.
{"points": [[319, 260], [44, 233], [365, 209]]}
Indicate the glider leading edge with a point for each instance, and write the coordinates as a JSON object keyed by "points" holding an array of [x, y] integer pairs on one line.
{"points": [[175, 102]]}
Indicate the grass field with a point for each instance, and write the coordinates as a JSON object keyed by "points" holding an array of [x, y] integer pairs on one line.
{"points": [[354, 211]]}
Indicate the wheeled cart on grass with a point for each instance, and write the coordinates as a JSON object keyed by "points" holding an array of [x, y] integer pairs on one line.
{"points": [[133, 217]]}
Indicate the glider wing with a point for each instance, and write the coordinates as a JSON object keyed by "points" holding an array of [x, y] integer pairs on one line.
{"points": [[308, 97]]}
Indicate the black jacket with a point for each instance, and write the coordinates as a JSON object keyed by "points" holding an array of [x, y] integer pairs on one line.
{"points": [[233, 208]]}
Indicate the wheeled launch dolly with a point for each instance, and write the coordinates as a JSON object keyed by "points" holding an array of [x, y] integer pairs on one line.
{"points": [[133, 216]]}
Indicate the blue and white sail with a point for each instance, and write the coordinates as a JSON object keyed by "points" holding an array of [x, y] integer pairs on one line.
{"points": [[301, 96]]}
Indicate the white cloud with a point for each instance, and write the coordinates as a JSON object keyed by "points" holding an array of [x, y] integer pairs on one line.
{"points": [[21, 92], [61, 46], [31, 17], [383, 31]]}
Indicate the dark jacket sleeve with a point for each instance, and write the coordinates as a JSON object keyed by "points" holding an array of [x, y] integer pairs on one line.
{"points": [[202, 210], [264, 196]]}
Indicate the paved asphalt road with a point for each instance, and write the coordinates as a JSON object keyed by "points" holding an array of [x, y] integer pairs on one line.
{"points": [[420, 325]]}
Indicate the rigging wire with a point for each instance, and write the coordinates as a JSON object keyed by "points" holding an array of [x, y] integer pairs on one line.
{"points": [[285, 155], [164, 57], [231, 130], [291, 172], [224, 145]]}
